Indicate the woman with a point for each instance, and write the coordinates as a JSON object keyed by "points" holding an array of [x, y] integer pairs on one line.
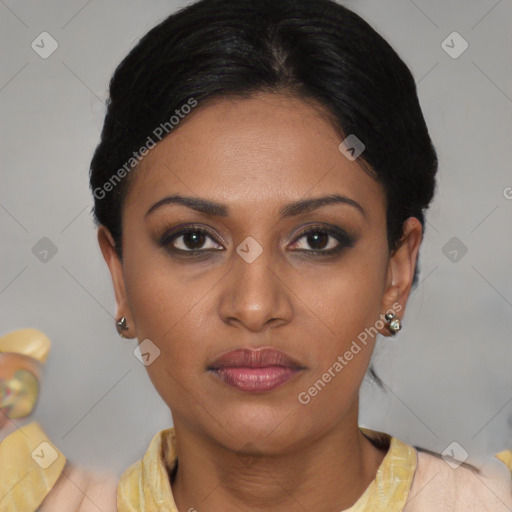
{"points": [[260, 189]]}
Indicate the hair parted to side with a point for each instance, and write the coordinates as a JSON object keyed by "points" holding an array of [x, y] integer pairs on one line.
{"points": [[316, 50]]}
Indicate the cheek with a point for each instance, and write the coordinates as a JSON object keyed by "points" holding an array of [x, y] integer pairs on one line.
{"points": [[160, 292], [348, 303], [162, 308], [172, 308], [346, 298]]}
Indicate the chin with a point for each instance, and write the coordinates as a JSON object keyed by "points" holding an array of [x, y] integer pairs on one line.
{"points": [[270, 429]]}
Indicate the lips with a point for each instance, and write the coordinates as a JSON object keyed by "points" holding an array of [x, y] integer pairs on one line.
{"points": [[254, 358], [255, 370]]}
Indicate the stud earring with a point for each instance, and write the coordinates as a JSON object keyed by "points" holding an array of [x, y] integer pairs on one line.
{"points": [[393, 323], [121, 326]]}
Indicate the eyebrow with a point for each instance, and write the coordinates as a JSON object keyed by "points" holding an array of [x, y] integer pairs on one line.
{"points": [[215, 209]]}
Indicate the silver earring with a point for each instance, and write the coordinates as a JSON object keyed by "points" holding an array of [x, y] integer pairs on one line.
{"points": [[393, 323], [121, 326]]}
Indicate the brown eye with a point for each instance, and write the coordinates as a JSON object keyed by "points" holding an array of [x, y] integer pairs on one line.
{"points": [[193, 239], [318, 239], [323, 240], [190, 239]]}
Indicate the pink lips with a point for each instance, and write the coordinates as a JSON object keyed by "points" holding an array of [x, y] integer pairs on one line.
{"points": [[255, 370]]}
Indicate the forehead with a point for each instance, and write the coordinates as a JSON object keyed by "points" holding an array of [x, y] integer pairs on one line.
{"points": [[250, 151]]}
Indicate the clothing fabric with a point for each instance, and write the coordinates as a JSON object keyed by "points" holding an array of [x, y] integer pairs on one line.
{"points": [[408, 480], [34, 476]]}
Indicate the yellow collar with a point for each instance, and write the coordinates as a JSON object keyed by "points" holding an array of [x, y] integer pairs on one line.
{"points": [[145, 485]]}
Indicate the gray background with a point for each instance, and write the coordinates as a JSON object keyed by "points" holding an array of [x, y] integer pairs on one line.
{"points": [[448, 372]]}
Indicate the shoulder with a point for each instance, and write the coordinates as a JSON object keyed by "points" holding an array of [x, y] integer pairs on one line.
{"points": [[438, 485], [80, 490]]}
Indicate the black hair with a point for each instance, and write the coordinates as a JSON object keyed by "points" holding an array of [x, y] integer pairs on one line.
{"points": [[312, 49]]}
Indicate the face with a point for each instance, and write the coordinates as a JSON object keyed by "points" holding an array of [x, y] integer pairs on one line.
{"points": [[262, 266]]}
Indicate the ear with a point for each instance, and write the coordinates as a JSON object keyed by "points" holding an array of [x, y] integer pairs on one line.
{"points": [[401, 268], [107, 246]]}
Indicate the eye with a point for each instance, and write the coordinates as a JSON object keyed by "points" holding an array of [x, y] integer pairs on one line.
{"points": [[195, 240], [323, 240], [191, 239]]}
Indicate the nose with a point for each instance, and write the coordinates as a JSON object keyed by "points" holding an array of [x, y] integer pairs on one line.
{"points": [[256, 294]]}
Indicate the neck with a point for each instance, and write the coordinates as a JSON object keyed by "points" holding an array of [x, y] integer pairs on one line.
{"points": [[329, 473]]}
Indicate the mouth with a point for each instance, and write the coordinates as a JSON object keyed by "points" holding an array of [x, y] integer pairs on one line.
{"points": [[255, 370]]}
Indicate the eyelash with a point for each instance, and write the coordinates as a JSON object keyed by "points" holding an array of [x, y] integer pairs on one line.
{"points": [[344, 239]]}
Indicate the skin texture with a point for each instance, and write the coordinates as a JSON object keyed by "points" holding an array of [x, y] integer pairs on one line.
{"points": [[256, 155]]}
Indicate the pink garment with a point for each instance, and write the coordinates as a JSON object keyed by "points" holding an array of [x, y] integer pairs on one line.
{"points": [[437, 487]]}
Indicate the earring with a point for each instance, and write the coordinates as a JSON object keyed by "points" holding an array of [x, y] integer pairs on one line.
{"points": [[121, 325], [393, 323]]}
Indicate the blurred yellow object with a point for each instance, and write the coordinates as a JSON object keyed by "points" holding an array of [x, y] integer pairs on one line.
{"points": [[22, 354], [506, 457], [28, 342], [18, 394], [30, 466]]}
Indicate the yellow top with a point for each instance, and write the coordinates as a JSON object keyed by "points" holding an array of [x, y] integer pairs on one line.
{"points": [[408, 480], [30, 465], [145, 486]]}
